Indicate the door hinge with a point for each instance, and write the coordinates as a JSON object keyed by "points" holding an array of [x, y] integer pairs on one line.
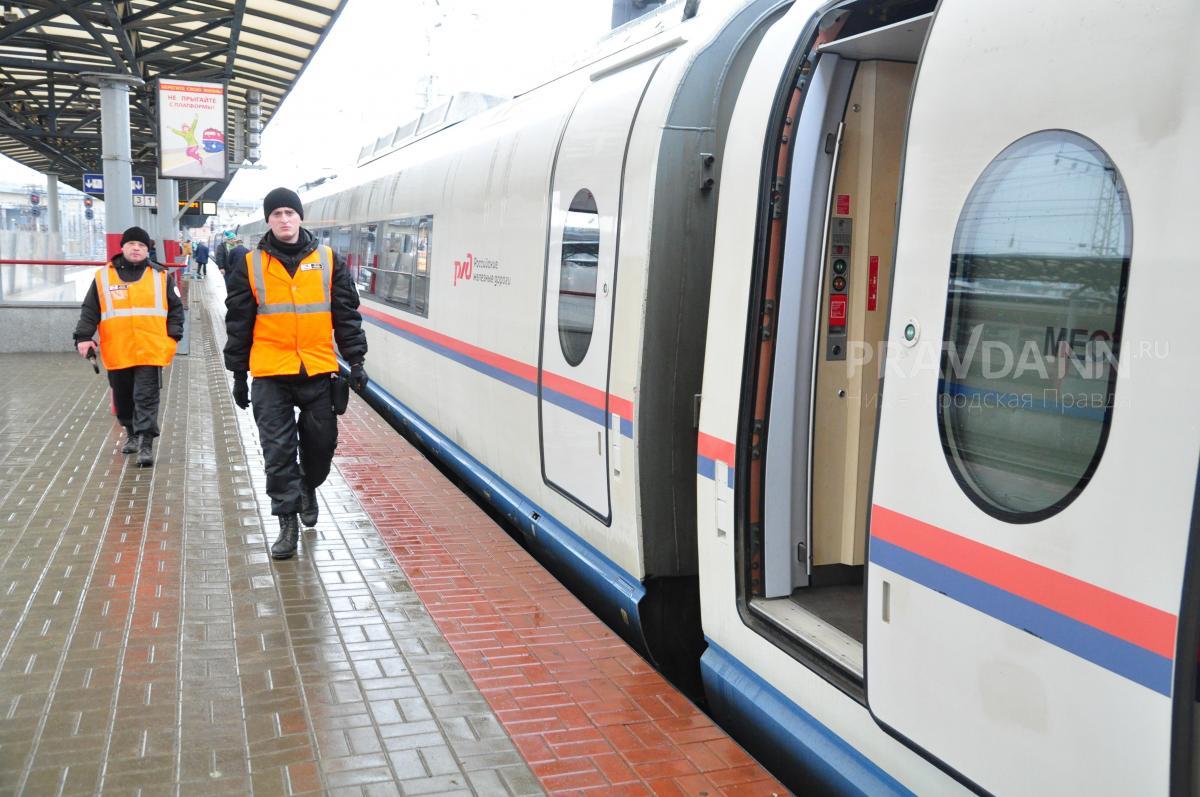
{"points": [[757, 439], [696, 411], [768, 320]]}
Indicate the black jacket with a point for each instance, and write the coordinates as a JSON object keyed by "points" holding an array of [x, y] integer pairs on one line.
{"points": [[241, 309], [89, 314]]}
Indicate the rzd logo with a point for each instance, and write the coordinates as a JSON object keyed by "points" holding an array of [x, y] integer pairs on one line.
{"points": [[464, 268]]}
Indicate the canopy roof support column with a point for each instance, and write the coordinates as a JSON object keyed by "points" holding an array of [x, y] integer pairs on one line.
{"points": [[115, 153], [52, 203]]}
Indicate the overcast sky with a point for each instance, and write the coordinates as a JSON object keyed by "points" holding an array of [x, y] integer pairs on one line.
{"points": [[368, 74]]}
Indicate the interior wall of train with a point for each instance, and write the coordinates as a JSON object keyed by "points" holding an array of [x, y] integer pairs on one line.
{"points": [[829, 285]]}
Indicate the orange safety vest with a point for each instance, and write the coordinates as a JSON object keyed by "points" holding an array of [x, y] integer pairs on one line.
{"points": [[133, 319], [294, 324]]}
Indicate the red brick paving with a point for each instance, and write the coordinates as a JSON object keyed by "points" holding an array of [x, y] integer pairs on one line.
{"points": [[588, 714]]}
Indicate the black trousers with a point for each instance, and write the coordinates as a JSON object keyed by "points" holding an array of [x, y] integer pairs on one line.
{"points": [[135, 394], [315, 435], [201, 267]]}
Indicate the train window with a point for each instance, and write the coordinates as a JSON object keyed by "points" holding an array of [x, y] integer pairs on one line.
{"points": [[577, 277], [398, 273], [366, 255], [1038, 272]]}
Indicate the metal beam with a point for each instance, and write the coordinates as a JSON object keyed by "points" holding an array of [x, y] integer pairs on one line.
{"points": [[235, 33], [291, 23], [87, 120], [176, 20], [114, 22], [15, 85], [49, 66], [184, 50], [23, 132], [167, 4], [184, 35], [33, 20], [57, 43], [98, 37]]}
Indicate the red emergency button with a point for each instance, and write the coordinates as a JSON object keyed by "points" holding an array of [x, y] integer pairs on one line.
{"points": [[837, 311]]}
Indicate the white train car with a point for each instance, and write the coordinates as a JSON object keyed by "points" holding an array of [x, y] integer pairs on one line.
{"points": [[534, 281], [947, 470], [649, 311]]}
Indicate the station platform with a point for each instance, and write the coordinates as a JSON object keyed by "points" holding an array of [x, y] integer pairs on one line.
{"points": [[149, 644]]}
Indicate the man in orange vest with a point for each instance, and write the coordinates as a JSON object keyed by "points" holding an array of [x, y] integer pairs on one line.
{"points": [[135, 305], [289, 300]]}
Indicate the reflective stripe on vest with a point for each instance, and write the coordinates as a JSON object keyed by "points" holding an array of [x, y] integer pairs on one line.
{"points": [[107, 310], [293, 326], [258, 274], [133, 330]]}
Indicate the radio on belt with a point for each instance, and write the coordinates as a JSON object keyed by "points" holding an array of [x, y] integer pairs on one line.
{"points": [[839, 286]]}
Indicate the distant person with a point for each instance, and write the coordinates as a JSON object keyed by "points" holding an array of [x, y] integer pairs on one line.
{"points": [[289, 301], [220, 254], [237, 257], [135, 304], [201, 255]]}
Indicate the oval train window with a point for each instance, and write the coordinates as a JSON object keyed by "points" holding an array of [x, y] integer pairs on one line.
{"points": [[1038, 272], [577, 277]]}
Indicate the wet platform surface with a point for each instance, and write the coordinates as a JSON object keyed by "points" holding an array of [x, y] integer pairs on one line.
{"points": [[149, 645]]}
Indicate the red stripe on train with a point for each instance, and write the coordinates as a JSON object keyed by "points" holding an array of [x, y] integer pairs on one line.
{"points": [[1135, 622]]}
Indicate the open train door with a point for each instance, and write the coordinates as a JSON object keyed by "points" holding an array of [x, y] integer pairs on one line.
{"points": [[580, 282], [1037, 450]]}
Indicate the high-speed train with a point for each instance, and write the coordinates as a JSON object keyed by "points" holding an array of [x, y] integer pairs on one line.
{"points": [[844, 348]]}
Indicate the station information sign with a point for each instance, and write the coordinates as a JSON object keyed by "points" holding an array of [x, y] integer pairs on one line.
{"points": [[199, 208], [94, 184]]}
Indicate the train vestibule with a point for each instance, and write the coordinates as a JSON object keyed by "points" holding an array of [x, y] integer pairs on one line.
{"points": [[830, 285]]}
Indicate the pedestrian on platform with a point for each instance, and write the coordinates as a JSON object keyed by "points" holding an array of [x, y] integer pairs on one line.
{"points": [[201, 255], [220, 253], [289, 300], [135, 305], [236, 255]]}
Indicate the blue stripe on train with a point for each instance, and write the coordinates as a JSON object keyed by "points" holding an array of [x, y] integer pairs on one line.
{"points": [[707, 467], [807, 756], [1099, 647], [573, 405]]}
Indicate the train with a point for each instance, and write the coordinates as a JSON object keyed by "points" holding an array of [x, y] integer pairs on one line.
{"points": [[837, 355]]}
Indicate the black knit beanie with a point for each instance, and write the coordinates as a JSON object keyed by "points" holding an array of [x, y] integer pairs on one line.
{"points": [[282, 198], [135, 234]]}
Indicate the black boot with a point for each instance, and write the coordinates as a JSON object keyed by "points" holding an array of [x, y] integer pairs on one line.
{"points": [[309, 509], [146, 451], [131, 441], [289, 535]]}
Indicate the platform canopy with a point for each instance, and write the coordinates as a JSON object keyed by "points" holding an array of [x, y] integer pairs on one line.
{"points": [[50, 114]]}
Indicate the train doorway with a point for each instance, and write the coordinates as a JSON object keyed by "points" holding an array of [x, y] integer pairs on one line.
{"points": [[832, 286]]}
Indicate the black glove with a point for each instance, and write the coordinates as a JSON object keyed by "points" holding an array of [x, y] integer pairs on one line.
{"points": [[358, 377], [241, 391]]}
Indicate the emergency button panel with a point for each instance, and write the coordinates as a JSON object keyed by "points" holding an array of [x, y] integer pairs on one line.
{"points": [[838, 269]]}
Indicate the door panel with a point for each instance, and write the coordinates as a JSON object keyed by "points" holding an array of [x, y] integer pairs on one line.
{"points": [[580, 285], [1032, 488]]}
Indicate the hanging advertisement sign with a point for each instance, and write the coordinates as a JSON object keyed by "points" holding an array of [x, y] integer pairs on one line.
{"points": [[191, 130]]}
